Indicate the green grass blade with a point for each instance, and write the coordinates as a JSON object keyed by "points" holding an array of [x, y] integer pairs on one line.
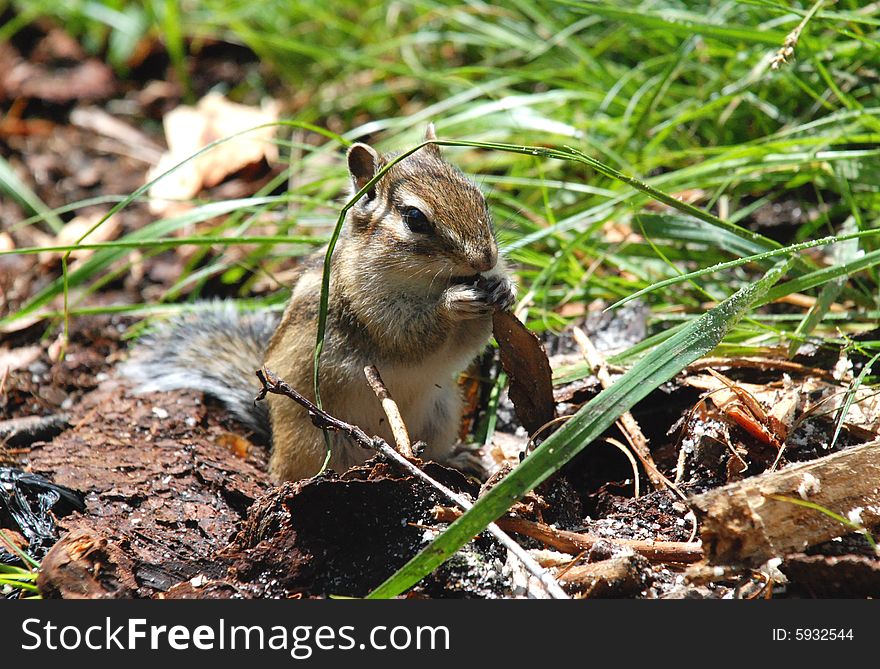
{"points": [[827, 295], [170, 19], [170, 242], [840, 253], [819, 277], [787, 250], [690, 230], [10, 183], [850, 398], [106, 256], [680, 25]]}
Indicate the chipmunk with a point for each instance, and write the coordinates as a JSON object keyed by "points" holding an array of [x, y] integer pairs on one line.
{"points": [[414, 279]]}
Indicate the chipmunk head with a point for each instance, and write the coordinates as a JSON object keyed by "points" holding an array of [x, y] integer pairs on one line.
{"points": [[427, 215]]}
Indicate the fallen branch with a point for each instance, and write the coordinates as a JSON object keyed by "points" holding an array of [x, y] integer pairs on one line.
{"points": [[271, 383], [574, 543], [24, 431], [389, 406], [752, 520]]}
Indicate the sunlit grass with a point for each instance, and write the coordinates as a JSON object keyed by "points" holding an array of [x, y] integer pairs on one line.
{"points": [[21, 581]]}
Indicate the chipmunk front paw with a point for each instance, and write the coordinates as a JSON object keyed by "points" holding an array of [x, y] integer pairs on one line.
{"points": [[500, 289], [480, 298], [467, 301]]}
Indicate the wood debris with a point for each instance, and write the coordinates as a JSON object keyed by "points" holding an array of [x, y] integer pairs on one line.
{"points": [[760, 518], [623, 576]]}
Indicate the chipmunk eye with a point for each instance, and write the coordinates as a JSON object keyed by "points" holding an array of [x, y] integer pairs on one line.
{"points": [[416, 220]]}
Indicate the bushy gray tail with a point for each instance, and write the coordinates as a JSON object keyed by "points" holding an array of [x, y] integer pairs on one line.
{"points": [[215, 350]]}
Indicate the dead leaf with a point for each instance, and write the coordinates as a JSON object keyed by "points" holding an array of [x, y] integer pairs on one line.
{"points": [[57, 45], [190, 129], [76, 228], [790, 399], [572, 309], [238, 445], [524, 360], [505, 449], [101, 123], [89, 81]]}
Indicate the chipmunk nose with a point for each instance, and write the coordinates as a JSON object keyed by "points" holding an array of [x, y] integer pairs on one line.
{"points": [[485, 261]]}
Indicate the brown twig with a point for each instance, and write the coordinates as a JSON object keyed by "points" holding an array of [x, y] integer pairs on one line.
{"points": [[25, 430], [575, 542], [757, 362], [630, 427], [632, 461], [389, 406], [571, 563], [621, 576], [272, 383]]}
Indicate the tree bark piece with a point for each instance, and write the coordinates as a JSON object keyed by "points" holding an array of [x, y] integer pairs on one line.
{"points": [[85, 565], [751, 521], [833, 576]]}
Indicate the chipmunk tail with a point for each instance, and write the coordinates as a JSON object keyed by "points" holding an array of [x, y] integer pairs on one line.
{"points": [[216, 350]]}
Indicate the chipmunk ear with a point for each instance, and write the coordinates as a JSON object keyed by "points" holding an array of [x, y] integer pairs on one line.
{"points": [[363, 163], [430, 133]]}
